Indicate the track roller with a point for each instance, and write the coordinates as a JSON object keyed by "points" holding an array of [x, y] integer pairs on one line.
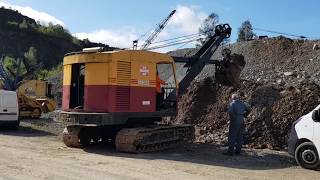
{"points": [[148, 139], [70, 136]]}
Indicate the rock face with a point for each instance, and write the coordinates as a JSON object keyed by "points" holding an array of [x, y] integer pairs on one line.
{"points": [[280, 58], [273, 110]]}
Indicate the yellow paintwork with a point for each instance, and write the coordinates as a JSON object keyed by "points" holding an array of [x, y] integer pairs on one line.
{"points": [[139, 78], [104, 68], [124, 55], [33, 87], [67, 75], [95, 70]]}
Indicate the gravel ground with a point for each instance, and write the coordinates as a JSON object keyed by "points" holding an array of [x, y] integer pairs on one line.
{"points": [[31, 153]]}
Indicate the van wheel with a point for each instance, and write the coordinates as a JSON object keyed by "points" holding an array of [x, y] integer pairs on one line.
{"points": [[306, 156]]}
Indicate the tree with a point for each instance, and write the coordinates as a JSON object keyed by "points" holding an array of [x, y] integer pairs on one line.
{"points": [[23, 25], [245, 32], [31, 56], [45, 74], [11, 65], [207, 27], [55, 31], [31, 64]]}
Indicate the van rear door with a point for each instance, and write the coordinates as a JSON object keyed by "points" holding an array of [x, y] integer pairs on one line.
{"points": [[316, 135], [8, 106]]}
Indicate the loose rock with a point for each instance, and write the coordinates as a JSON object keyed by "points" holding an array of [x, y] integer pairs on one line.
{"points": [[274, 109]]}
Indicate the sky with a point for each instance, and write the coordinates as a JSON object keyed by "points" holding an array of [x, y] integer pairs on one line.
{"points": [[119, 22]]}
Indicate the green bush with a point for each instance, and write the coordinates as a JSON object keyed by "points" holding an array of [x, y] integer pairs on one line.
{"points": [[45, 74], [12, 24], [11, 65], [23, 25], [55, 31]]}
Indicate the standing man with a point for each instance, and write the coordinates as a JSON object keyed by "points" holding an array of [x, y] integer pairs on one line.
{"points": [[237, 111]]}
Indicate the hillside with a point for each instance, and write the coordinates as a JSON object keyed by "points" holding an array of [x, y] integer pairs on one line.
{"points": [[18, 33]]}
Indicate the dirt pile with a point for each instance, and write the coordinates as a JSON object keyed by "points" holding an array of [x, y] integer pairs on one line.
{"points": [[278, 60], [273, 109]]}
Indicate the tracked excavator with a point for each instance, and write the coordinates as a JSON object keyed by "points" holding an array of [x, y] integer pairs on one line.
{"points": [[111, 96]]}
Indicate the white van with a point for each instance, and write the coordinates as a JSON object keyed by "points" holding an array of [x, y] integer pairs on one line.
{"points": [[9, 109], [304, 140]]}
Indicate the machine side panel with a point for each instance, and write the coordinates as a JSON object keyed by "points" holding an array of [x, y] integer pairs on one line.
{"points": [[105, 98], [97, 98], [33, 87], [143, 92], [66, 86], [143, 99], [65, 97], [97, 73]]}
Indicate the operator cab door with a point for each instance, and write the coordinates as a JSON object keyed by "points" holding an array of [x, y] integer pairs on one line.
{"points": [[77, 86], [166, 73]]}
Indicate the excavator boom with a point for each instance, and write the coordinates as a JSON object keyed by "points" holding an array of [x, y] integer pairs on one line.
{"points": [[197, 62], [227, 71]]}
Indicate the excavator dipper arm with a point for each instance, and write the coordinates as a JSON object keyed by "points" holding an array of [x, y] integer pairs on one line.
{"points": [[202, 57]]}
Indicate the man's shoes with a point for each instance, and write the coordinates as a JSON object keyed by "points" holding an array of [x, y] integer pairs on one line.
{"points": [[228, 153]]}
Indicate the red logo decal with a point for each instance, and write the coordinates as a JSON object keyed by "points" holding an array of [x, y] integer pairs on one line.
{"points": [[144, 70]]}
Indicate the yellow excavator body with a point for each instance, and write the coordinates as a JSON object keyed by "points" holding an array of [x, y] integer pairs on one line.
{"points": [[34, 99]]}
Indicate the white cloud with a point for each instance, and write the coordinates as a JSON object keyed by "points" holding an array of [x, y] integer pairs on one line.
{"points": [[186, 20], [117, 38], [43, 17]]}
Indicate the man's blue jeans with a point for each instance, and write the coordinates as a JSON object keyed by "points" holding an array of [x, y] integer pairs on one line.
{"points": [[235, 138]]}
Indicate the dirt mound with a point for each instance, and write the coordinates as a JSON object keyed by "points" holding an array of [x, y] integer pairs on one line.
{"points": [[273, 109], [278, 60]]}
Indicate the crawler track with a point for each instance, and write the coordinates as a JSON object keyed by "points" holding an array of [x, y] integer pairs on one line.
{"points": [[70, 136], [154, 138]]}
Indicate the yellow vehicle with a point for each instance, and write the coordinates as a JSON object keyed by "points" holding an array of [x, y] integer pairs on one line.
{"points": [[34, 98], [34, 88]]}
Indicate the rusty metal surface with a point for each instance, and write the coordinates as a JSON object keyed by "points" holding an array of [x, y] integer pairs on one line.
{"points": [[155, 138], [70, 136]]}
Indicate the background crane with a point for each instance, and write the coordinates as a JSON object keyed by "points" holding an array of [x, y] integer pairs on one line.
{"points": [[155, 33]]}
